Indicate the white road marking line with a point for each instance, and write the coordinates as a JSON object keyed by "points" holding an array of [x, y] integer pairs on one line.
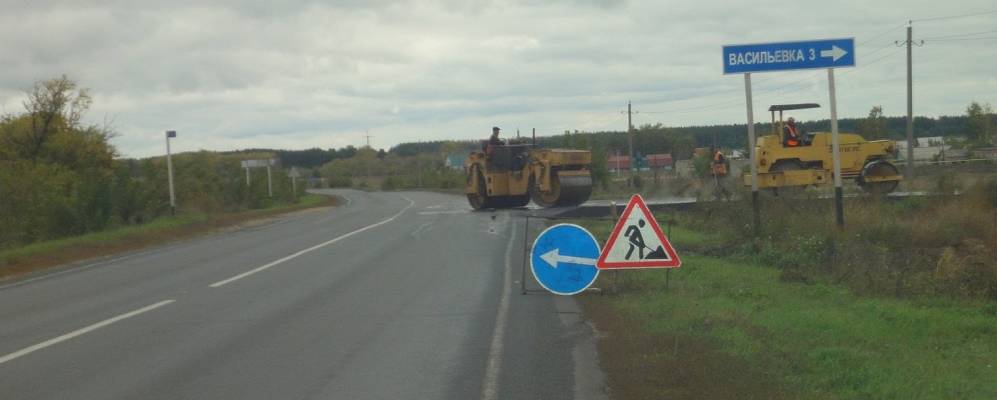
{"points": [[489, 388], [81, 331], [442, 212], [313, 248]]}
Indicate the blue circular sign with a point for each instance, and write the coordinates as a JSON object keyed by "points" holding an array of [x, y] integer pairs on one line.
{"points": [[563, 259]]}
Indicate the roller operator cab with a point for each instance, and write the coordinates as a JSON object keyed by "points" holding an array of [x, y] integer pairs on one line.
{"points": [[507, 176], [810, 162]]}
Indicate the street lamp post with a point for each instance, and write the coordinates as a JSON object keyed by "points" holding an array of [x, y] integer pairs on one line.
{"points": [[169, 169]]}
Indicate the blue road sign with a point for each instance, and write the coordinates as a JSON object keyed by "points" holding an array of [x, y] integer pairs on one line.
{"points": [[764, 57], [563, 259]]}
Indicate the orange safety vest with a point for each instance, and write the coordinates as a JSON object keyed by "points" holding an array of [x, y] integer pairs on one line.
{"points": [[792, 141]]}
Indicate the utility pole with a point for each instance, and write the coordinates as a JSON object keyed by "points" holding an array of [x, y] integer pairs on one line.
{"points": [[910, 106], [368, 136], [909, 172], [169, 170], [630, 142]]}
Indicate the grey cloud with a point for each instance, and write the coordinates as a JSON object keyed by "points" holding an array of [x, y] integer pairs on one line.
{"points": [[305, 73]]}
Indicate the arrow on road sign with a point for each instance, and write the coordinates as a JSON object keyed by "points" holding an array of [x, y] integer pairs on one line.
{"points": [[553, 257], [835, 53]]}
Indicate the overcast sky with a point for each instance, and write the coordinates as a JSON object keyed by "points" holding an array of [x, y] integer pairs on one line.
{"points": [[300, 74]]}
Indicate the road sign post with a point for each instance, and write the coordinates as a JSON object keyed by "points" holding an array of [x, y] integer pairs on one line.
{"points": [[169, 171], [785, 56], [294, 174], [839, 207], [267, 163], [756, 218], [563, 259], [269, 182]]}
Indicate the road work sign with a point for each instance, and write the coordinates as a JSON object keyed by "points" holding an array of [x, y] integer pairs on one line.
{"points": [[563, 259], [637, 241], [765, 57]]}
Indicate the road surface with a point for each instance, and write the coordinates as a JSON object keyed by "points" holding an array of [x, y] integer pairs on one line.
{"points": [[389, 296]]}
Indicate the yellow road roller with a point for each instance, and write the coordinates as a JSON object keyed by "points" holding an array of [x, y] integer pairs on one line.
{"points": [[510, 175], [783, 162]]}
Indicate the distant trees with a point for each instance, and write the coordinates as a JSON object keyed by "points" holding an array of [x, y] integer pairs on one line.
{"points": [[874, 126], [979, 124]]}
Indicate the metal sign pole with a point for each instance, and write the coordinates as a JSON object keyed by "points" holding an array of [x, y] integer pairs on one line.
{"points": [[526, 251], [169, 169], [839, 212], [752, 157], [269, 182]]}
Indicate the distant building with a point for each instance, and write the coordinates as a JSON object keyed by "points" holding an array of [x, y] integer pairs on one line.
{"points": [[455, 161], [659, 161], [644, 163], [618, 163], [927, 149]]}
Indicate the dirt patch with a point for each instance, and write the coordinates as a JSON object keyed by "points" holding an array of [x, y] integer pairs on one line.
{"points": [[79, 253], [642, 365]]}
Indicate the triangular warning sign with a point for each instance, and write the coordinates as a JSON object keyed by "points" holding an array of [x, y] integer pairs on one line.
{"points": [[637, 241]]}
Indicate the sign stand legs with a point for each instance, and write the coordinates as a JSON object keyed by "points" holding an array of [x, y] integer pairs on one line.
{"points": [[526, 251]]}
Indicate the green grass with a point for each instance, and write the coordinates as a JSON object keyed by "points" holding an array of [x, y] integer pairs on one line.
{"points": [[124, 233], [823, 341], [99, 238]]}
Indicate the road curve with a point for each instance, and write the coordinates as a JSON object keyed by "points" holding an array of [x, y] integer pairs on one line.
{"points": [[392, 295]]}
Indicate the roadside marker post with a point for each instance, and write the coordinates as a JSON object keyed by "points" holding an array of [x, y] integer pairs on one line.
{"points": [[786, 56], [169, 168]]}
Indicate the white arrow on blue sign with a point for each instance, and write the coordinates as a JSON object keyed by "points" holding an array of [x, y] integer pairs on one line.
{"points": [[563, 259], [766, 57]]}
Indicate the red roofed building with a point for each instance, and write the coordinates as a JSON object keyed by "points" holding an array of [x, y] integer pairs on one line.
{"points": [[659, 161], [618, 163]]}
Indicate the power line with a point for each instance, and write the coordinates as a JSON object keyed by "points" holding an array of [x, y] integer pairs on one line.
{"points": [[878, 35], [976, 14], [957, 35], [960, 40]]}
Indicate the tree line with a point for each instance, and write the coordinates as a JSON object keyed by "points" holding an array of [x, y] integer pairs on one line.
{"points": [[60, 177]]}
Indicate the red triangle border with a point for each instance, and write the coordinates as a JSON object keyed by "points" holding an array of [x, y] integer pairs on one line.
{"points": [[638, 201]]}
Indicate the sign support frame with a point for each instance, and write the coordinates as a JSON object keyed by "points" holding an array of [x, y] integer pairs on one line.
{"points": [[778, 63]]}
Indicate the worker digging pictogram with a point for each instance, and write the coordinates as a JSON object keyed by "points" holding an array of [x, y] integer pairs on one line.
{"points": [[637, 241]]}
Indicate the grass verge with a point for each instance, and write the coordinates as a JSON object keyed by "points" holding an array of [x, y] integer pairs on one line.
{"points": [[37, 256], [724, 329]]}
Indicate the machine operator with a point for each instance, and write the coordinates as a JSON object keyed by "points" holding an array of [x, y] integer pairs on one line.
{"points": [[791, 135]]}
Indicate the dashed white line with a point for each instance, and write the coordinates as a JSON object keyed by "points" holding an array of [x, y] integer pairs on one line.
{"points": [[313, 248], [489, 388], [82, 331]]}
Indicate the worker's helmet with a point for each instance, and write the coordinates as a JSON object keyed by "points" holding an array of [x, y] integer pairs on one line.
{"points": [[791, 120], [495, 129]]}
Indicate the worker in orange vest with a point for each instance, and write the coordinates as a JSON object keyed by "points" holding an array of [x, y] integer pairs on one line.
{"points": [[719, 164], [791, 136]]}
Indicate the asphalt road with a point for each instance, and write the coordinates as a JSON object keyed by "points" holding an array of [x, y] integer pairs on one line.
{"points": [[390, 296]]}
